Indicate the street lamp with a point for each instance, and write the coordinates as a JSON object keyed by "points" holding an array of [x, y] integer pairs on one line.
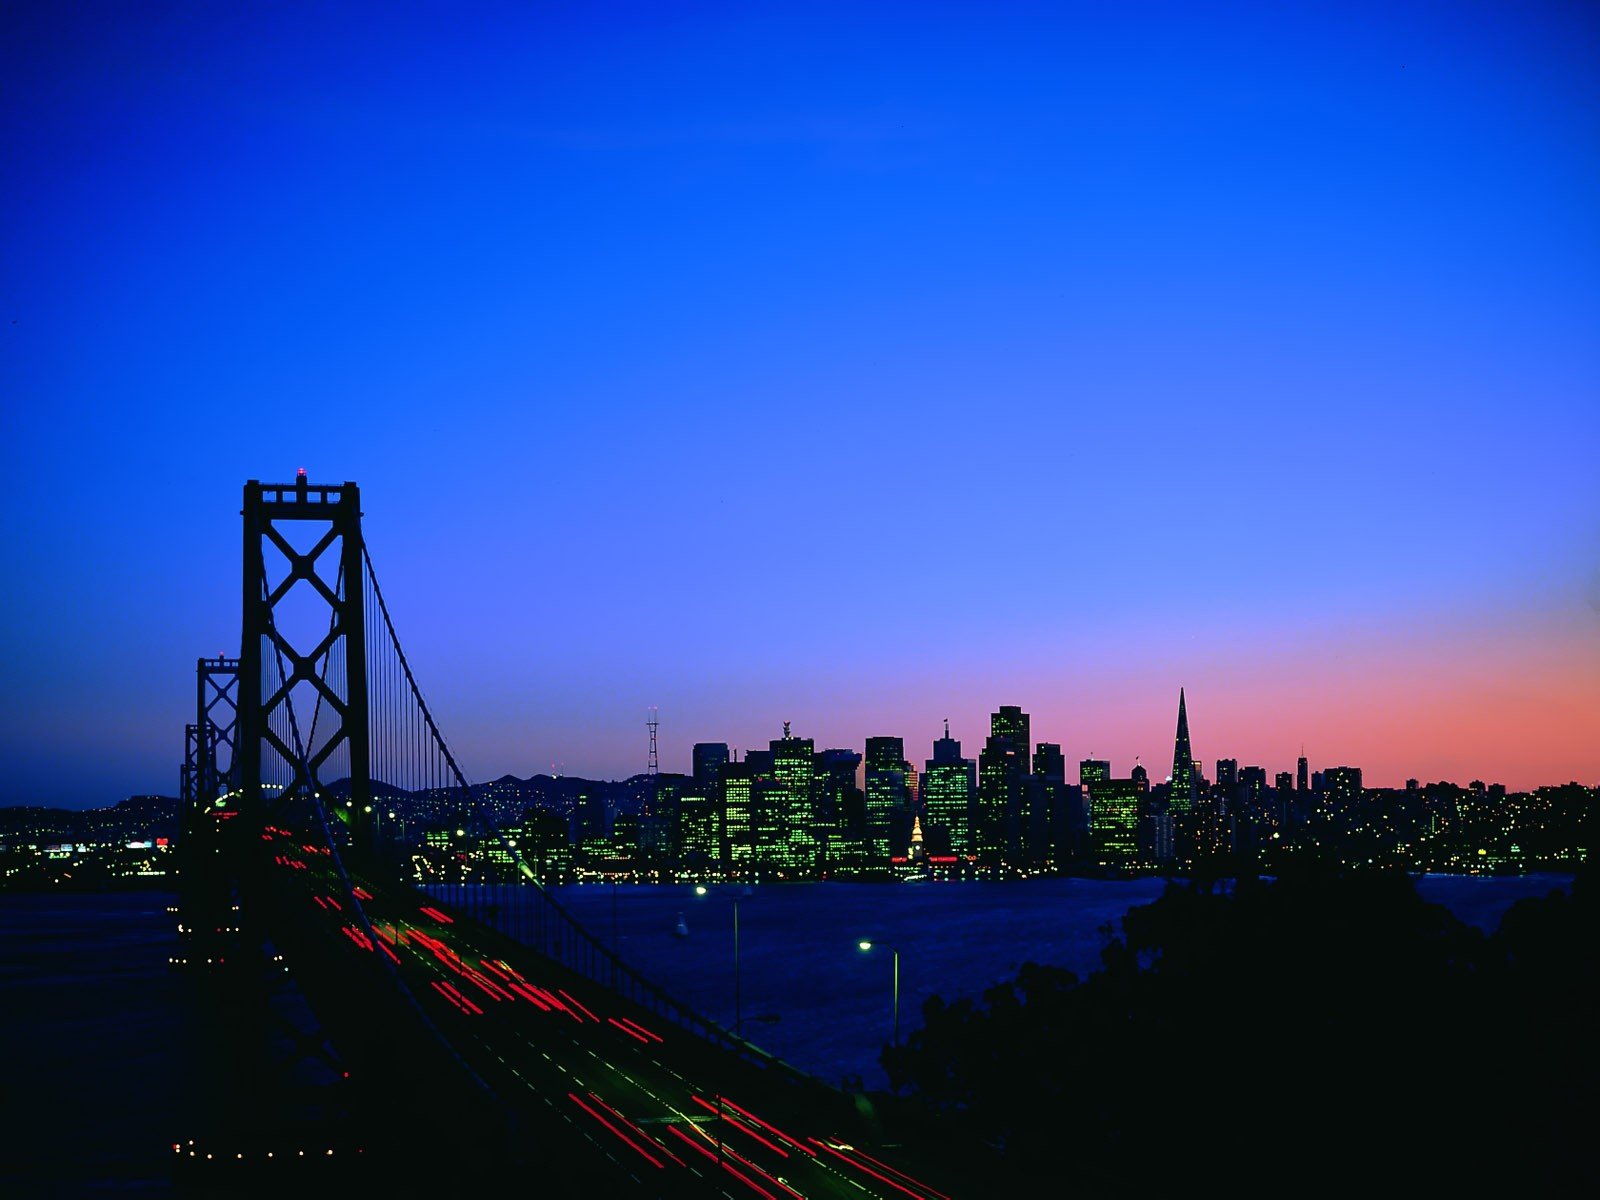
{"points": [[865, 946], [700, 889]]}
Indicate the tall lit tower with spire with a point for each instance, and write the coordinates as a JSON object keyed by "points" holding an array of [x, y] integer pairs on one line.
{"points": [[949, 787], [1181, 798]]}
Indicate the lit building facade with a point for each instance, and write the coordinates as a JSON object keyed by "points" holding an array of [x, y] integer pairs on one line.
{"points": [[737, 783], [888, 796], [949, 784], [793, 759], [1002, 793], [837, 819], [1114, 821]]}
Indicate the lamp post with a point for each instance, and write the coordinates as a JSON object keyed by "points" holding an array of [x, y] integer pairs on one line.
{"points": [[865, 947], [700, 889]]}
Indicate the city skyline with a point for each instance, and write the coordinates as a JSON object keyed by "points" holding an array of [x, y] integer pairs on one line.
{"points": [[947, 730], [857, 367], [678, 758]]}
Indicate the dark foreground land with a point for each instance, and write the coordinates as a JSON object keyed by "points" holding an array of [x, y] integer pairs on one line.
{"points": [[1322, 1033]]}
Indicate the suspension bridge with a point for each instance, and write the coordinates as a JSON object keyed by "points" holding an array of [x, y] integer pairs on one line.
{"points": [[474, 1038]]}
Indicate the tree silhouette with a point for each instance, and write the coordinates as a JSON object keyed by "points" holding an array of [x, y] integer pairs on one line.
{"points": [[1324, 1030]]}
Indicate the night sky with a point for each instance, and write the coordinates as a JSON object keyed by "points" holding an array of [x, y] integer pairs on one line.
{"points": [[855, 365]]}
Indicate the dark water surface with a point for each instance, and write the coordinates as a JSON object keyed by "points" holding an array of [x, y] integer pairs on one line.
{"points": [[810, 996], [94, 1045]]}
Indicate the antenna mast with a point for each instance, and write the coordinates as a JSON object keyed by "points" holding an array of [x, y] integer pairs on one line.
{"points": [[654, 767]]}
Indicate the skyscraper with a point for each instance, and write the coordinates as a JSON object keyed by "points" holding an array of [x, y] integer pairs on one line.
{"points": [[769, 824], [948, 786], [1114, 821], [547, 844], [708, 757], [1010, 722], [737, 781], [1302, 776], [1002, 787], [837, 820], [1227, 773], [700, 832], [591, 815], [1092, 769], [1049, 762], [888, 798], [1252, 783], [792, 760], [1283, 801], [1181, 797], [1047, 804], [1343, 785], [658, 828], [700, 826]]}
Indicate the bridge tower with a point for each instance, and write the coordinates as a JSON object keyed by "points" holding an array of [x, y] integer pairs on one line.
{"points": [[216, 717], [189, 771], [294, 712], [207, 900]]}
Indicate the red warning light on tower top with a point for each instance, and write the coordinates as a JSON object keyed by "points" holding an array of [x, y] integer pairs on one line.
{"points": [[300, 473]]}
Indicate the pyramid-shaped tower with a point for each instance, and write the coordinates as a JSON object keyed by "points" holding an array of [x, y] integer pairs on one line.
{"points": [[1182, 796]]}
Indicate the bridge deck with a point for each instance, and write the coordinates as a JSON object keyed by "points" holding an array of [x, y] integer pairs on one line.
{"points": [[523, 1063]]}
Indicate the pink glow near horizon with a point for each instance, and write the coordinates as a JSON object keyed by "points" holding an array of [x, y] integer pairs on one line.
{"points": [[1517, 704]]}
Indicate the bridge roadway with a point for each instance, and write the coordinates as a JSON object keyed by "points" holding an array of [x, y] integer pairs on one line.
{"points": [[581, 1089]]}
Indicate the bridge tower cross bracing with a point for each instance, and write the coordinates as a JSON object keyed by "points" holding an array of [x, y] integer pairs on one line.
{"points": [[267, 653], [216, 715], [188, 791]]}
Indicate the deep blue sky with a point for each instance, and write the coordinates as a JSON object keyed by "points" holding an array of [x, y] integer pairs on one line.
{"points": [[852, 365]]}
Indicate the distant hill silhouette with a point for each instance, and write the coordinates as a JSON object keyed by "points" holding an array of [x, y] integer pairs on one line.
{"points": [[136, 817]]}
